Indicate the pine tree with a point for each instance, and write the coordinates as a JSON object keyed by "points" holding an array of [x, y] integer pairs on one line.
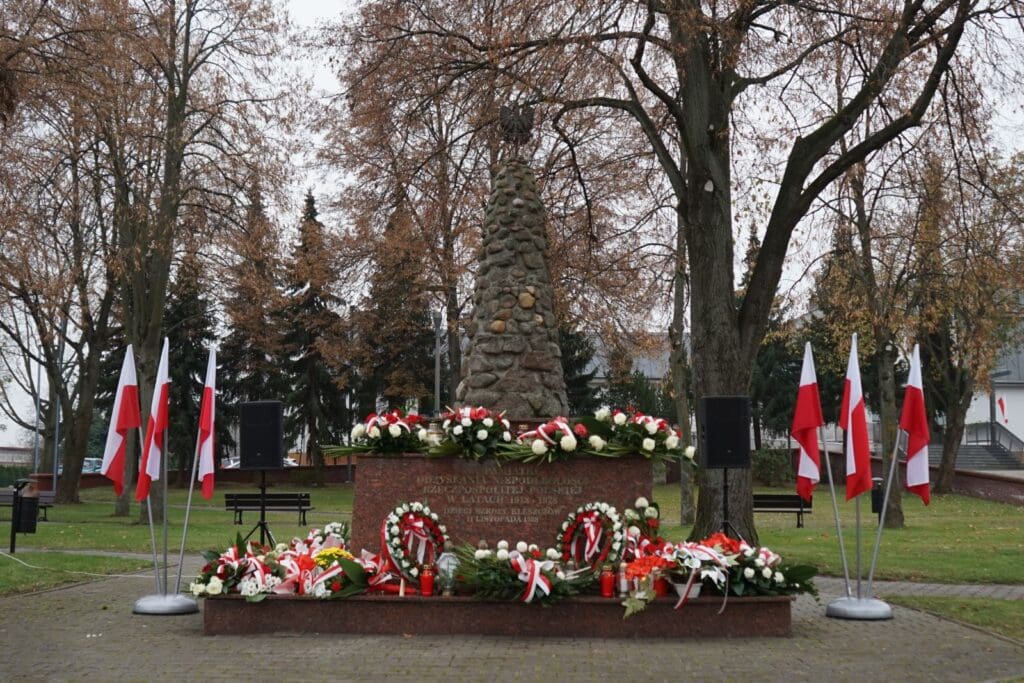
{"points": [[189, 322], [315, 402], [577, 355]]}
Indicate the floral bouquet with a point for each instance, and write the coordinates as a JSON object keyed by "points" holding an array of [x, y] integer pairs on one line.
{"points": [[759, 571], [643, 521], [591, 536], [387, 433], [474, 433], [616, 432], [552, 440], [523, 574], [248, 571], [640, 577]]}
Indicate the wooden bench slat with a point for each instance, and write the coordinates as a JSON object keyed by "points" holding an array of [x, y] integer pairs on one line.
{"points": [[783, 503], [275, 502]]}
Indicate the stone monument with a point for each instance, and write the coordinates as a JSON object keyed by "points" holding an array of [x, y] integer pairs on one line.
{"points": [[514, 361]]}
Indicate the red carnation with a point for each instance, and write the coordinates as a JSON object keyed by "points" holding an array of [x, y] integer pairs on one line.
{"points": [[653, 523], [580, 429], [336, 586]]}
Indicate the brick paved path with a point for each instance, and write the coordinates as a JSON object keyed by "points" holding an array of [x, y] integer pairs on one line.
{"points": [[88, 632]]}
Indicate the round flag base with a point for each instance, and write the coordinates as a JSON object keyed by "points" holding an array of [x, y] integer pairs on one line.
{"points": [[865, 609], [165, 604]]}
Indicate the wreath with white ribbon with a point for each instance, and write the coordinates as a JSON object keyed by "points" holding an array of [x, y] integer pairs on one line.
{"points": [[592, 535], [412, 537]]}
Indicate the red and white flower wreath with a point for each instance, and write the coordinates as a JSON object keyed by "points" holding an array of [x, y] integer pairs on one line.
{"points": [[591, 535], [411, 537]]}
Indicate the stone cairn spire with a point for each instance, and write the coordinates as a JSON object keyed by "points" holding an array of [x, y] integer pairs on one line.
{"points": [[514, 361]]}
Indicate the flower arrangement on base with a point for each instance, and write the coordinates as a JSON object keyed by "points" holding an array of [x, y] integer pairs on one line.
{"points": [[474, 433], [387, 433], [614, 432], [553, 440], [523, 574], [591, 535]]}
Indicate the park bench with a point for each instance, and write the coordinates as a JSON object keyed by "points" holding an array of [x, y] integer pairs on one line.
{"points": [[783, 502], [273, 502], [45, 500]]}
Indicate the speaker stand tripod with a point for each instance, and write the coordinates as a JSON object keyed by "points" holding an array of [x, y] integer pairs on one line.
{"points": [[726, 524], [262, 524]]}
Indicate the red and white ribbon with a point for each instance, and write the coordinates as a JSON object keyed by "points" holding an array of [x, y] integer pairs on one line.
{"points": [[531, 572], [413, 529]]}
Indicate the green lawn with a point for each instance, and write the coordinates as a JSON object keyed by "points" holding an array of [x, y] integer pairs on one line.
{"points": [[54, 569], [1000, 616], [954, 540]]}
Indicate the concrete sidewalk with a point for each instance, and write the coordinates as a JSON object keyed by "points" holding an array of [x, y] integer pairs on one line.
{"points": [[88, 632]]}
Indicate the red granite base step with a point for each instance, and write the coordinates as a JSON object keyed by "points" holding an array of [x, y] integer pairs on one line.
{"points": [[584, 617]]}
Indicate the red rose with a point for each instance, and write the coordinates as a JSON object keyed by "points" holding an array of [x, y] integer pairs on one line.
{"points": [[580, 429], [336, 586], [653, 523]]}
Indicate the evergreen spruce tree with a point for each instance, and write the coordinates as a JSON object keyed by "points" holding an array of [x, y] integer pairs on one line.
{"points": [[314, 403], [577, 355], [250, 357], [189, 322]]}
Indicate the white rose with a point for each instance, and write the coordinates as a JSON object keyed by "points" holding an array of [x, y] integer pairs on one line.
{"points": [[502, 554], [651, 513], [596, 442], [214, 586], [748, 573], [395, 431], [603, 414], [551, 554], [532, 547], [280, 548], [641, 503], [749, 552], [619, 419], [405, 507], [506, 436], [565, 525], [393, 530], [690, 452], [671, 441], [444, 425], [457, 430], [466, 422], [488, 422], [568, 443], [423, 434], [651, 427], [766, 572], [603, 507], [522, 546], [480, 554], [502, 545], [617, 526], [196, 588], [648, 444], [538, 447], [759, 562], [373, 433], [320, 590], [417, 507], [633, 531], [433, 516], [616, 546], [396, 542], [426, 510], [779, 578], [414, 572], [442, 528], [631, 514], [358, 432], [482, 435]]}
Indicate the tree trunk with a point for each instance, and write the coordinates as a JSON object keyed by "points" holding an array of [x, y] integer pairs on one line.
{"points": [[951, 436], [123, 503], [884, 363], [680, 370]]}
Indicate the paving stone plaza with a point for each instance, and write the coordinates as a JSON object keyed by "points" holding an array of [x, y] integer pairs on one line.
{"points": [[87, 632]]}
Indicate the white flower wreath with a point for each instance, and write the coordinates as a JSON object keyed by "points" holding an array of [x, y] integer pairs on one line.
{"points": [[413, 536], [605, 550]]}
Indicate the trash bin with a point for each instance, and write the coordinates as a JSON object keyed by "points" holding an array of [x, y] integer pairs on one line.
{"points": [[26, 515], [877, 496]]}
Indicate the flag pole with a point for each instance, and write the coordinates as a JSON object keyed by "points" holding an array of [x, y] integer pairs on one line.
{"points": [[885, 505], [835, 511], [188, 508], [856, 507], [163, 466], [152, 534]]}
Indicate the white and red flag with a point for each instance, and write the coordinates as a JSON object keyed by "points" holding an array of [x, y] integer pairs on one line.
{"points": [[204, 449], [914, 421], [854, 421], [807, 419], [124, 416], [155, 446]]}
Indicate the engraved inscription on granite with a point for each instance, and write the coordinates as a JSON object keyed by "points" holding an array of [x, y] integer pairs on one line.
{"points": [[499, 497]]}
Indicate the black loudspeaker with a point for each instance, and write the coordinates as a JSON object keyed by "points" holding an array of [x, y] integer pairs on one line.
{"points": [[724, 432], [261, 435]]}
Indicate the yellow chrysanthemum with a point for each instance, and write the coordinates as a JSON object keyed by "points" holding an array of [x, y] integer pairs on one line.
{"points": [[326, 557]]}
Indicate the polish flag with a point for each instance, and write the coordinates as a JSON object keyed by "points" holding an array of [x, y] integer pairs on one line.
{"points": [[914, 421], [854, 421], [806, 420], [123, 417], [155, 446], [204, 449]]}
